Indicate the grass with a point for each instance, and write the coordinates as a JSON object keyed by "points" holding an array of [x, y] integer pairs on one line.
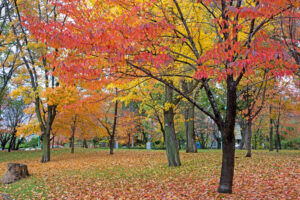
{"points": [[141, 174]]}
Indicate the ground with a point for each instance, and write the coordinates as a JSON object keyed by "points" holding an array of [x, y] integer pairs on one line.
{"points": [[142, 174]]}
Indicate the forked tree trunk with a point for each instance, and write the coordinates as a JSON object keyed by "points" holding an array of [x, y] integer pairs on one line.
{"points": [[171, 142], [46, 128], [227, 171], [249, 138], [189, 115]]}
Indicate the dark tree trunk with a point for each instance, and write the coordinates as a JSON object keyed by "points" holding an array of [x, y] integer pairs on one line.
{"points": [[219, 142], [189, 115], [12, 142], [228, 142], [112, 135], [128, 142], [53, 138], [111, 145], [46, 128], [271, 131], [72, 141], [5, 138], [249, 137], [18, 143], [84, 144], [171, 142]]}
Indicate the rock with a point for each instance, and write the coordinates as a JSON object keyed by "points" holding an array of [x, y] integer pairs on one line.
{"points": [[15, 172]]}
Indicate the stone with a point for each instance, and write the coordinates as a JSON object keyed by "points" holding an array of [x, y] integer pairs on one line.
{"points": [[15, 172]]}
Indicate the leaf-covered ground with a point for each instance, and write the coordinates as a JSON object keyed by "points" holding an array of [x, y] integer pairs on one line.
{"points": [[141, 174]]}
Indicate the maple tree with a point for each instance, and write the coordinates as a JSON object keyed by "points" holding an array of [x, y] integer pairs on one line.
{"points": [[133, 37]]}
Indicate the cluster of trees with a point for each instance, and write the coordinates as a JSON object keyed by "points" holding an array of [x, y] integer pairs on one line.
{"points": [[88, 68]]}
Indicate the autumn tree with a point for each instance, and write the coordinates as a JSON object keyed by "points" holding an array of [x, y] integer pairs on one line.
{"points": [[39, 76], [133, 37]]}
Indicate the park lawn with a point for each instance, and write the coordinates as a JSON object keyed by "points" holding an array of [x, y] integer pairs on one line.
{"points": [[142, 174]]}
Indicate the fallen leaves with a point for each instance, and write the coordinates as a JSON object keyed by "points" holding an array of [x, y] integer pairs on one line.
{"points": [[94, 174]]}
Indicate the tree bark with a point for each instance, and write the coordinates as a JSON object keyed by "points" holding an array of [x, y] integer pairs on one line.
{"points": [[228, 147], [171, 142], [249, 138], [53, 138], [255, 141], [46, 146], [243, 134], [111, 145], [18, 143], [46, 129], [271, 131], [84, 144], [12, 142], [189, 115], [72, 141]]}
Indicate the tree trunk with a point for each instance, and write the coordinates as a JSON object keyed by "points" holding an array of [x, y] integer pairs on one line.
{"points": [[249, 137], [46, 146], [111, 145], [255, 142], [18, 143], [228, 142], [53, 138], [46, 128], [128, 142], [171, 142], [219, 142], [271, 134], [84, 144], [12, 142], [189, 115], [72, 141], [243, 134]]}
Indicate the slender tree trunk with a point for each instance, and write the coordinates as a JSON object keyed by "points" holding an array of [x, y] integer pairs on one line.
{"points": [[112, 135], [249, 138], [243, 134], [171, 142], [271, 131], [53, 138], [219, 142], [278, 145], [72, 143], [84, 144], [227, 171], [128, 142], [18, 143], [189, 115], [12, 142], [111, 145], [255, 142]]}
